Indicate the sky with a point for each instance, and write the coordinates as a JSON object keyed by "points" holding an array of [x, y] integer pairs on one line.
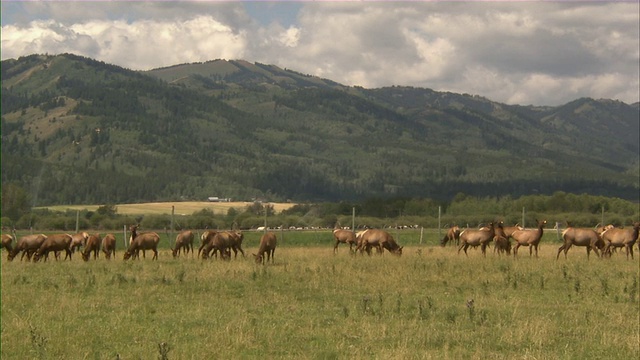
{"points": [[516, 52]]}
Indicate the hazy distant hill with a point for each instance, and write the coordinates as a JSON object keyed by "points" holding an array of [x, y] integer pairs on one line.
{"points": [[75, 130]]}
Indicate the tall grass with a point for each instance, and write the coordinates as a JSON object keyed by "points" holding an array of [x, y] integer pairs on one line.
{"points": [[312, 304]]}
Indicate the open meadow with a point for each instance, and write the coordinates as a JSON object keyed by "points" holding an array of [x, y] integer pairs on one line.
{"points": [[430, 303], [179, 207]]}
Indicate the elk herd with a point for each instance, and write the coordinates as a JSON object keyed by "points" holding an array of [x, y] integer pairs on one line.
{"points": [[602, 240], [505, 239]]}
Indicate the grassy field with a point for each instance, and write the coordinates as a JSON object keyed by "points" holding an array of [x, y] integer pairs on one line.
{"points": [[184, 208], [431, 303]]}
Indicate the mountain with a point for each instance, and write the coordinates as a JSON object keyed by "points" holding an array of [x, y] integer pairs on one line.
{"points": [[77, 130]]}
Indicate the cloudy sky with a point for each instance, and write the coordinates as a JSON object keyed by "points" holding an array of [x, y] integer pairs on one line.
{"points": [[541, 53]]}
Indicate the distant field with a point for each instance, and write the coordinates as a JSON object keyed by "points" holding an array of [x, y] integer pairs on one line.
{"points": [[185, 208]]}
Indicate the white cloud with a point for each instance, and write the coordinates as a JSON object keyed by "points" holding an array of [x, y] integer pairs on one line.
{"points": [[531, 52]]}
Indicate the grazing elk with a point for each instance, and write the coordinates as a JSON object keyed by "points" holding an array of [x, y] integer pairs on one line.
{"points": [[7, 240], [28, 244], [268, 243], [452, 235], [481, 237], [56, 242], [528, 237], [217, 242], [344, 237], [588, 238], [184, 242], [205, 238], [379, 239], [109, 246], [144, 241], [78, 240], [92, 245], [620, 238]]}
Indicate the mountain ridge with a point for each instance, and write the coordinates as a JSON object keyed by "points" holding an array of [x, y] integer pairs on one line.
{"points": [[246, 130]]}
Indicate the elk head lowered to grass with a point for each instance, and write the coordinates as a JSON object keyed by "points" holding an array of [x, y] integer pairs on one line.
{"points": [[7, 240], [217, 242], [92, 246], [184, 242], [28, 244], [56, 242], [143, 241], [268, 243], [379, 239], [452, 235], [109, 246]]}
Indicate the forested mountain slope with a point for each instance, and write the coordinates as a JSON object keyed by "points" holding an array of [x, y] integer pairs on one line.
{"points": [[76, 130]]}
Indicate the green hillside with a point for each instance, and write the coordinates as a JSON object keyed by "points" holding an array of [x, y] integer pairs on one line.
{"points": [[76, 130]]}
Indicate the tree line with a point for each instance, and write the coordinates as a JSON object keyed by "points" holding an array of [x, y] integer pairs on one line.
{"points": [[465, 210]]}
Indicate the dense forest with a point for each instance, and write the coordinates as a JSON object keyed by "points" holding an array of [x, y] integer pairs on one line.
{"points": [[80, 131]]}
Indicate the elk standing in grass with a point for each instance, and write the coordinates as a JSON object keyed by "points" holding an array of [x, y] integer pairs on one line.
{"points": [[344, 237], [92, 245], [620, 238], [268, 244], [205, 238], [7, 240], [236, 238], [379, 239], [184, 242], [217, 242], [588, 238], [144, 241], [109, 246], [530, 238], [56, 242], [78, 240], [452, 235], [481, 237], [28, 244], [501, 241]]}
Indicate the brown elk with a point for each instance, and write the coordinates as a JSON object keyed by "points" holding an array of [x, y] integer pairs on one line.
{"points": [[501, 241], [236, 242], [78, 240], [268, 243], [28, 245], [509, 230], [205, 238], [217, 242], [7, 240], [379, 239], [528, 237], [143, 241], [109, 246], [344, 237], [184, 242], [481, 237], [620, 238], [588, 238], [92, 245], [452, 235], [56, 242]]}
